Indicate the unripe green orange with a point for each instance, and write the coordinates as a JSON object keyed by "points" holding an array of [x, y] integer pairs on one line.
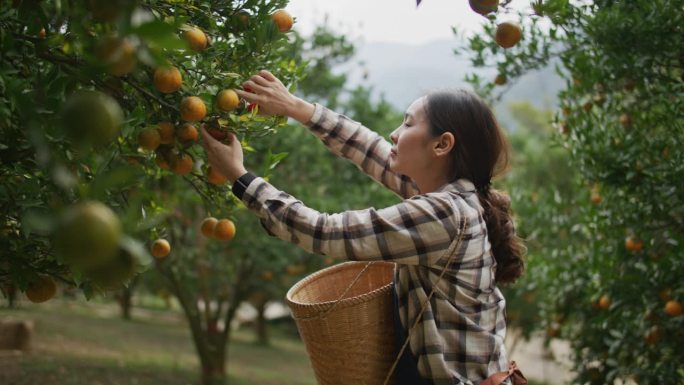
{"points": [[88, 235]]}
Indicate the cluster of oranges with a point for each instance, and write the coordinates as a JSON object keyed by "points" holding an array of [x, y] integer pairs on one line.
{"points": [[220, 229], [508, 33], [192, 109]]}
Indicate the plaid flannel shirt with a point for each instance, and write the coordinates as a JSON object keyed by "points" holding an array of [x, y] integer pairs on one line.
{"points": [[460, 339]]}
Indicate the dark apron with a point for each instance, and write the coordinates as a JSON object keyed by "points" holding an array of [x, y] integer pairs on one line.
{"points": [[406, 372]]}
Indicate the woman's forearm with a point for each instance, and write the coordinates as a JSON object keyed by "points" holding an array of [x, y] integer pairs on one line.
{"points": [[301, 110]]}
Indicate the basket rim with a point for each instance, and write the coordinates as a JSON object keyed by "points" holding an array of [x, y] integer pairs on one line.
{"points": [[343, 302]]}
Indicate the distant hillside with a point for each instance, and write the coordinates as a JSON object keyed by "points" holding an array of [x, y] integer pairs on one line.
{"points": [[403, 72]]}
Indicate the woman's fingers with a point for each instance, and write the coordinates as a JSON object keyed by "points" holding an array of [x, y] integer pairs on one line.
{"points": [[260, 80], [248, 96], [254, 87], [267, 75]]}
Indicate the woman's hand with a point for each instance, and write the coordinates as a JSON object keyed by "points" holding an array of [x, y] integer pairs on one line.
{"points": [[274, 98], [227, 159]]}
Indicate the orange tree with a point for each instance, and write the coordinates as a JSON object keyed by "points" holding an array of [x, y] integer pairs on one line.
{"points": [[101, 102], [607, 277]]}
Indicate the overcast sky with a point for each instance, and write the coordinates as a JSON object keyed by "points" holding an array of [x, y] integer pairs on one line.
{"points": [[397, 21]]}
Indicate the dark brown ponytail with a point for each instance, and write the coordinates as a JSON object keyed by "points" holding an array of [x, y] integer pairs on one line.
{"points": [[480, 153]]}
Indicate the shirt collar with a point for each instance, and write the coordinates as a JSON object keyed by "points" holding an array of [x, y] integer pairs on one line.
{"points": [[460, 185]]}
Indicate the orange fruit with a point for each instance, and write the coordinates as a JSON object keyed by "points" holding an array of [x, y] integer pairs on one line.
{"points": [[149, 139], [166, 132], [215, 177], [208, 226], [625, 120], [161, 162], [167, 79], [508, 34], [653, 335], [629, 85], [674, 308], [41, 33], [187, 133], [484, 7], [224, 230], [41, 290], [243, 18], [192, 109], [632, 244], [216, 133], [181, 164], [88, 234], [227, 100], [553, 330], [118, 55], [296, 269], [283, 20], [665, 294], [599, 98], [160, 248], [596, 198], [196, 38], [604, 302]]}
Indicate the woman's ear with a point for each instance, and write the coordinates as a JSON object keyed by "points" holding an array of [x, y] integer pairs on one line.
{"points": [[444, 144]]}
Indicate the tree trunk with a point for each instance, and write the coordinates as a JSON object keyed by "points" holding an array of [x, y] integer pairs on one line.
{"points": [[125, 299], [11, 293], [261, 326], [213, 365]]}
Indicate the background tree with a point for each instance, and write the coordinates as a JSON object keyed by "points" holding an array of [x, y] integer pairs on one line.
{"points": [[606, 272]]}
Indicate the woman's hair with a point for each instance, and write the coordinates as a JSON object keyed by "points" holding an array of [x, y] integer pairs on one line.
{"points": [[481, 152]]}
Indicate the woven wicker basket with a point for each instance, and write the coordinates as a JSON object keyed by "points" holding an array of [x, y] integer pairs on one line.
{"points": [[349, 336]]}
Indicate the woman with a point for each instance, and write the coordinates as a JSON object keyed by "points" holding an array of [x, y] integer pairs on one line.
{"points": [[440, 161]]}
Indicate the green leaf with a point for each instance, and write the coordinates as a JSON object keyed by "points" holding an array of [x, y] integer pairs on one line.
{"points": [[160, 33]]}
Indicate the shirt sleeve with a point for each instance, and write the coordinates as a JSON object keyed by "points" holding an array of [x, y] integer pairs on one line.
{"points": [[365, 148], [416, 231]]}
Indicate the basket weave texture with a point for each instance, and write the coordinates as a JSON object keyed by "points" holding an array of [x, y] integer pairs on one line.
{"points": [[349, 338]]}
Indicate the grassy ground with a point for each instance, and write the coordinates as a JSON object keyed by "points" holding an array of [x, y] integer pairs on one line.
{"points": [[77, 343], [87, 343]]}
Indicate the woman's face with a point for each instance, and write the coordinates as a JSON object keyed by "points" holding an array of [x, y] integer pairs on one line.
{"points": [[412, 144]]}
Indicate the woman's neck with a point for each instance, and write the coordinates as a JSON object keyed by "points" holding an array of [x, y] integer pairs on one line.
{"points": [[430, 182]]}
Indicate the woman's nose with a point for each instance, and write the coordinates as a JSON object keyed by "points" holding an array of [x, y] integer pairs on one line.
{"points": [[393, 136]]}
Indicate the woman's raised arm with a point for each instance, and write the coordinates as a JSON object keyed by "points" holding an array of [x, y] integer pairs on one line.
{"points": [[343, 136]]}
